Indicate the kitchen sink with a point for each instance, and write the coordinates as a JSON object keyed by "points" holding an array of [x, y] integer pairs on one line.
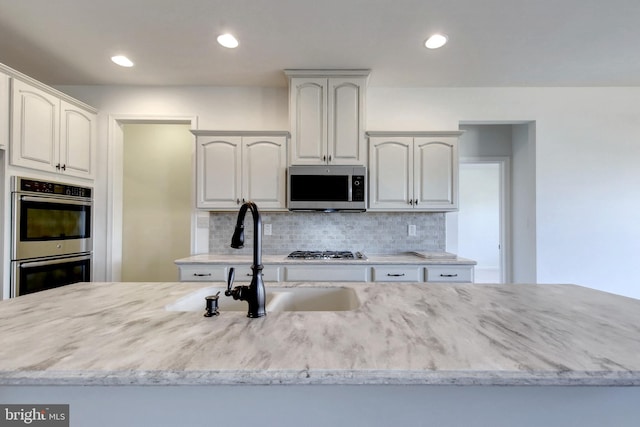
{"points": [[278, 299]]}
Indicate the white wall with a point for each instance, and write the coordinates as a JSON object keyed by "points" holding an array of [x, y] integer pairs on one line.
{"points": [[587, 180]]}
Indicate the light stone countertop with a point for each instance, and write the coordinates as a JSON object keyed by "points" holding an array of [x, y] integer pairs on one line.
{"points": [[120, 334], [407, 258]]}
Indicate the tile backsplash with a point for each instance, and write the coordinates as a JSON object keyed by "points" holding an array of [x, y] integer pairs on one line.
{"points": [[368, 232]]}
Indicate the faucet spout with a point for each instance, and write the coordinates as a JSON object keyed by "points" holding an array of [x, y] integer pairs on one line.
{"points": [[254, 294]]}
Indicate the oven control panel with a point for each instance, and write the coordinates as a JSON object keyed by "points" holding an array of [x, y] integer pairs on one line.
{"points": [[47, 187]]}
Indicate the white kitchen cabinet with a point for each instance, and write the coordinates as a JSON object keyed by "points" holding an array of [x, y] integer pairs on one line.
{"points": [[413, 171], [4, 110], [78, 141], [326, 273], [51, 134], [270, 273], [219, 273], [449, 273], [397, 273], [202, 273], [326, 110], [233, 167]]}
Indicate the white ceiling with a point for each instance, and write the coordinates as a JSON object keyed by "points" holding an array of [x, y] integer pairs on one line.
{"points": [[172, 42]]}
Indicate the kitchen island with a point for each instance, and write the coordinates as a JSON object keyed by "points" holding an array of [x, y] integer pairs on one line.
{"points": [[415, 353]]}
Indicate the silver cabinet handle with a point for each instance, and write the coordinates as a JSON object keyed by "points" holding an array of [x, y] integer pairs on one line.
{"points": [[395, 275], [202, 274], [448, 275]]}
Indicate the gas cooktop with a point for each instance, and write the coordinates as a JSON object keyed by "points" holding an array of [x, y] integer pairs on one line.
{"points": [[338, 255]]}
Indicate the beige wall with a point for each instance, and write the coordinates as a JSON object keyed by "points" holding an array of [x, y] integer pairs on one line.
{"points": [[156, 201]]}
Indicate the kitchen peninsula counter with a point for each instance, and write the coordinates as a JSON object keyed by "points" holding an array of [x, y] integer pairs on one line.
{"points": [[103, 334]]}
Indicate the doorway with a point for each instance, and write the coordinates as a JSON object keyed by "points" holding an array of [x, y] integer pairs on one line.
{"points": [[156, 200], [482, 217]]}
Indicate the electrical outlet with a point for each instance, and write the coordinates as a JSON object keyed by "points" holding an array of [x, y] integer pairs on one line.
{"points": [[412, 229], [267, 229]]}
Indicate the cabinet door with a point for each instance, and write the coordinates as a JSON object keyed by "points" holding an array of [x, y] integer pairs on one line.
{"points": [[326, 273], [218, 172], [264, 166], [436, 173], [449, 273], [345, 129], [35, 127], [77, 141], [391, 173], [397, 273], [308, 116], [4, 110]]}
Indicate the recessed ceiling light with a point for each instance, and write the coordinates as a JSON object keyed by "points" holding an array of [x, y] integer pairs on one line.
{"points": [[122, 61], [227, 40], [436, 41]]}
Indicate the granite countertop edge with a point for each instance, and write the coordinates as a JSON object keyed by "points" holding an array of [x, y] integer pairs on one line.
{"points": [[316, 377]]}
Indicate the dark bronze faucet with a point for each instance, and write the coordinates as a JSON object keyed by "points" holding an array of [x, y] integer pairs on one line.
{"points": [[255, 293]]}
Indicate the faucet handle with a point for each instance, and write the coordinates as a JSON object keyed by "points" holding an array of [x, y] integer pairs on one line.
{"points": [[232, 274]]}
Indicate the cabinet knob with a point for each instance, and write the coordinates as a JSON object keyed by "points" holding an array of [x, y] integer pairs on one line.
{"points": [[63, 167], [324, 158], [411, 202], [329, 158], [237, 201], [58, 166], [416, 202]]}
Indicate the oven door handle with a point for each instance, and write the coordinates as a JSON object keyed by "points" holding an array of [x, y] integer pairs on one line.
{"points": [[53, 261], [55, 200]]}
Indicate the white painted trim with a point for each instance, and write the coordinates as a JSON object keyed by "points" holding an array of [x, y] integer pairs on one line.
{"points": [[114, 187]]}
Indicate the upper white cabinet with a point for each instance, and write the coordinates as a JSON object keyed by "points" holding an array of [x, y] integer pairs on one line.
{"points": [[4, 110], [326, 111], [51, 134], [234, 167], [413, 171]]}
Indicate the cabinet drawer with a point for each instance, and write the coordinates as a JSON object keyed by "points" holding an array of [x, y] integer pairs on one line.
{"points": [[203, 273], [326, 273], [269, 273], [397, 274], [448, 273]]}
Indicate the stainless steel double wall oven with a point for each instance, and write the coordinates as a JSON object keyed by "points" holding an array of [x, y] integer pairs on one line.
{"points": [[52, 240]]}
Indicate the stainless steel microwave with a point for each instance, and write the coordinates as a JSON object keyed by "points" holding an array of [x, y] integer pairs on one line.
{"points": [[327, 188]]}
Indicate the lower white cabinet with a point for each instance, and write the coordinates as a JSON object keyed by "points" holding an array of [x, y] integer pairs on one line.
{"points": [[273, 273], [270, 273], [219, 273], [449, 273], [326, 273], [403, 273], [202, 273]]}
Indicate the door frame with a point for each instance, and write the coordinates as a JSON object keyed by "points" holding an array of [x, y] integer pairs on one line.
{"points": [[115, 170], [505, 255]]}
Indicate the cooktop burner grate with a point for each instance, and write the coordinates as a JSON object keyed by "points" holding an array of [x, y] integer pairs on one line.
{"points": [[325, 255]]}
